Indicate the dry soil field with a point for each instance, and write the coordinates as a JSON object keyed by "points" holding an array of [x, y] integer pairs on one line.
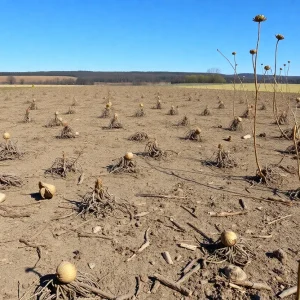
{"points": [[32, 227]]}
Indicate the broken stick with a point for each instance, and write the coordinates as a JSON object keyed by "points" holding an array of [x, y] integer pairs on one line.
{"points": [[226, 214], [143, 247], [173, 285]]}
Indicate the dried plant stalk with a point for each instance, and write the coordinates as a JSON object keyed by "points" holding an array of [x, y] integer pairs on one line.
{"points": [[67, 132], [223, 159], [8, 180], [173, 111], [194, 135], [56, 121], [139, 137], [152, 150], [283, 118], [236, 124], [106, 112], [9, 151], [62, 166], [115, 123], [27, 118], [123, 165], [184, 122], [206, 112], [33, 105]]}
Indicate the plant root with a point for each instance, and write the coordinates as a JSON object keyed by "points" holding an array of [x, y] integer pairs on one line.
{"points": [[9, 151], [67, 133], [223, 159], [115, 123], [194, 135], [106, 113], [140, 112], [239, 254], [123, 165], [7, 180], [84, 285], [236, 124], [27, 118], [100, 203], [139, 137], [248, 113], [54, 122], [184, 122], [173, 111], [206, 112], [62, 166], [152, 150], [283, 118]]}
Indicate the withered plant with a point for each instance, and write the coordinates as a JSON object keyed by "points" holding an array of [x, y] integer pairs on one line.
{"points": [[27, 118], [236, 124], [124, 164], [9, 150], [33, 105], [248, 113], [282, 119], [106, 113], [183, 122], [67, 132], [153, 150], [194, 135], [63, 165], [206, 112], [221, 105], [141, 111], [115, 123], [223, 158], [8, 180], [71, 110], [173, 111], [56, 121], [139, 137]]}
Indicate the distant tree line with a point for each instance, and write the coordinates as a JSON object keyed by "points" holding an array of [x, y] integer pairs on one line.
{"points": [[136, 78]]}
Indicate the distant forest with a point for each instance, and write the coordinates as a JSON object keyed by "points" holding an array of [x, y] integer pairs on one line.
{"points": [[138, 78]]}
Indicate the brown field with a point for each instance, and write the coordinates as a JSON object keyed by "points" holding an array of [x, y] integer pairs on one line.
{"points": [[200, 187], [35, 79]]}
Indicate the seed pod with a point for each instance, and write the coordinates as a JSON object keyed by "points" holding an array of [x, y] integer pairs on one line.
{"points": [[6, 135], [66, 272], [47, 191], [197, 130], [129, 156], [228, 238]]}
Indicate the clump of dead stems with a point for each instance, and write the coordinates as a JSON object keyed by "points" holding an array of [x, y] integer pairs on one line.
{"points": [[106, 112], [50, 288], [237, 253], [67, 132], [270, 175], [75, 102], [283, 118], [8, 180], [115, 123], [56, 121], [27, 118], [140, 112], [248, 113], [153, 150], [158, 104], [33, 105], [183, 122], [125, 164], [292, 149], [9, 150], [100, 203], [223, 159], [221, 105], [289, 133], [63, 165], [173, 111], [236, 124], [194, 135], [206, 112], [263, 107], [71, 110], [139, 137]]}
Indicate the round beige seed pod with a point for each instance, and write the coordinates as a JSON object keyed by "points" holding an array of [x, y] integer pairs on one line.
{"points": [[47, 191], [228, 238], [141, 105], [235, 273], [197, 130], [239, 119], [6, 135], [129, 156], [66, 272], [56, 113]]}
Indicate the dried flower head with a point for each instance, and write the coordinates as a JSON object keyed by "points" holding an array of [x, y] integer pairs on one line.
{"points": [[289, 61], [253, 51], [267, 68], [284, 65], [279, 37], [233, 53], [280, 69], [259, 18]]}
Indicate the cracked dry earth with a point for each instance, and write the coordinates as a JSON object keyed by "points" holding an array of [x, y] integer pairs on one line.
{"points": [[194, 189]]}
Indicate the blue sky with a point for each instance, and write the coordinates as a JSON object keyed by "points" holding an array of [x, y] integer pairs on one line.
{"points": [[144, 35]]}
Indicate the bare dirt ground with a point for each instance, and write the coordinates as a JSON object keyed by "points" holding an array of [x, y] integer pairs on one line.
{"points": [[199, 187]]}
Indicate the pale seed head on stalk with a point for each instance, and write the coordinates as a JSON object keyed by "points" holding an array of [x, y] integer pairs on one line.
{"points": [[253, 51], [233, 53], [259, 18], [279, 37], [267, 68]]}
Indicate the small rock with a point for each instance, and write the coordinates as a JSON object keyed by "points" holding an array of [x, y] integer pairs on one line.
{"points": [[96, 229], [92, 265], [144, 278], [247, 136]]}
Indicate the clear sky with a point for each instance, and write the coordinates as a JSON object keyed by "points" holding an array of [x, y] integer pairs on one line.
{"points": [[144, 35]]}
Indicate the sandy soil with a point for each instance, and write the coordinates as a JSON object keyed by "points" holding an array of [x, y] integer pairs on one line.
{"points": [[203, 188]]}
